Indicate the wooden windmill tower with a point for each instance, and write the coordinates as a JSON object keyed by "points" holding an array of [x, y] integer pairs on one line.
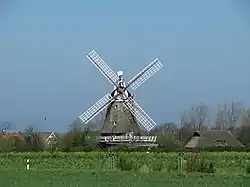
{"points": [[123, 113]]}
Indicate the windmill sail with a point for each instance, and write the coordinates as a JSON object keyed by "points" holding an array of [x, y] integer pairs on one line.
{"points": [[145, 74], [140, 114], [101, 65], [96, 108]]}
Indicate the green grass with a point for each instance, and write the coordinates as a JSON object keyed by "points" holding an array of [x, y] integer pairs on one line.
{"points": [[91, 169], [78, 178], [224, 162]]}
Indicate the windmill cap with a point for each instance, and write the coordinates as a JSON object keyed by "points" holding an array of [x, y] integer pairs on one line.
{"points": [[119, 73]]}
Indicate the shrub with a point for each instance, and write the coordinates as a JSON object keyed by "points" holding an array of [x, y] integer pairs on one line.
{"points": [[248, 168], [126, 164], [198, 163]]}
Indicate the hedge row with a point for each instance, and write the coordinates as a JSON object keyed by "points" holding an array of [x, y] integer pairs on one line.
{"points": [[203, 162]]}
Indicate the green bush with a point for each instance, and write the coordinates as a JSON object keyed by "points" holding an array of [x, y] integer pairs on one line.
{"points": [[248, 168], [198, 163], [168, 143], [126, 164]]}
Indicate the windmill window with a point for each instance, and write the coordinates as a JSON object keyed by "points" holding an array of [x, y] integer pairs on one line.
{"points": [[115, 106], [114, 123]]}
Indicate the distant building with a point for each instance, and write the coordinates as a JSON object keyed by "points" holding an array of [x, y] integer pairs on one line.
{"points": [[48, 136], [17, 135], [213, 138]]}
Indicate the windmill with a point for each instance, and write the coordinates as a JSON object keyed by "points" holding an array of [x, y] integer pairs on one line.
{"points": [[123, 112]]}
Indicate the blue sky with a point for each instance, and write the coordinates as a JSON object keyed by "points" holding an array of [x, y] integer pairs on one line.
{"points": [[204, 46]]}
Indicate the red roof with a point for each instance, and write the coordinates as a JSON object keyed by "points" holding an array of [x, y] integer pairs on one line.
{"points": [[16, 134]]}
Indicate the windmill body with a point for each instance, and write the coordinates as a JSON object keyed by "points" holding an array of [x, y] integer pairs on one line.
{"points": [[119, 119], [123, 114]]}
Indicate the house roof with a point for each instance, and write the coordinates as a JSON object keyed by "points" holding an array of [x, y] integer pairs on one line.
{"points": [[45, 135], [213, 138], [14, 134]]}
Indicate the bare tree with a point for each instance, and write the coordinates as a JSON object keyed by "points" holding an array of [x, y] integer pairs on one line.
{"points": [[6, 125], [76, 126], [227, 116], [246, 118], [168, 128], [33, 139], [244, 130], [195, 117]]}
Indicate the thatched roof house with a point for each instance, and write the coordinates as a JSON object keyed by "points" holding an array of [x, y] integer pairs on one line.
{"points": [[213, 138]]}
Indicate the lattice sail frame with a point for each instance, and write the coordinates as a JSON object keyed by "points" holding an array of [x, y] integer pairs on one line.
{"points": [[96, 108], [145, 74], [140, 114], [101, 65]]}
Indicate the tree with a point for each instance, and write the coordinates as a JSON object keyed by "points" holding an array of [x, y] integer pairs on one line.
{"points": [[246, 118], [244, 130], [168, 142], [33, 139], [227, 116], [5, 143], [76, 139], [193, 119], [166, 128], [6, 125]]}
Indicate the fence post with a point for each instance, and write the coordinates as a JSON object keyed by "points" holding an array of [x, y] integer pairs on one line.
{"points": [[28, 165], [111, 162], [181, 161]]}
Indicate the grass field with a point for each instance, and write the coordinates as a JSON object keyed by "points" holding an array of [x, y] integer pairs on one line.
{"points": [[77, 178], [95, 169]]}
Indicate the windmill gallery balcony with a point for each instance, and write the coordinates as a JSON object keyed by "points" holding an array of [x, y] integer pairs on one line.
{"points": [[142, 140]]}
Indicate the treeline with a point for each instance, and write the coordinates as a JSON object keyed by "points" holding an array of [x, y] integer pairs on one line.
{"points": [[233, 117], [171, 137], [33, 141], [77, 141]]}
